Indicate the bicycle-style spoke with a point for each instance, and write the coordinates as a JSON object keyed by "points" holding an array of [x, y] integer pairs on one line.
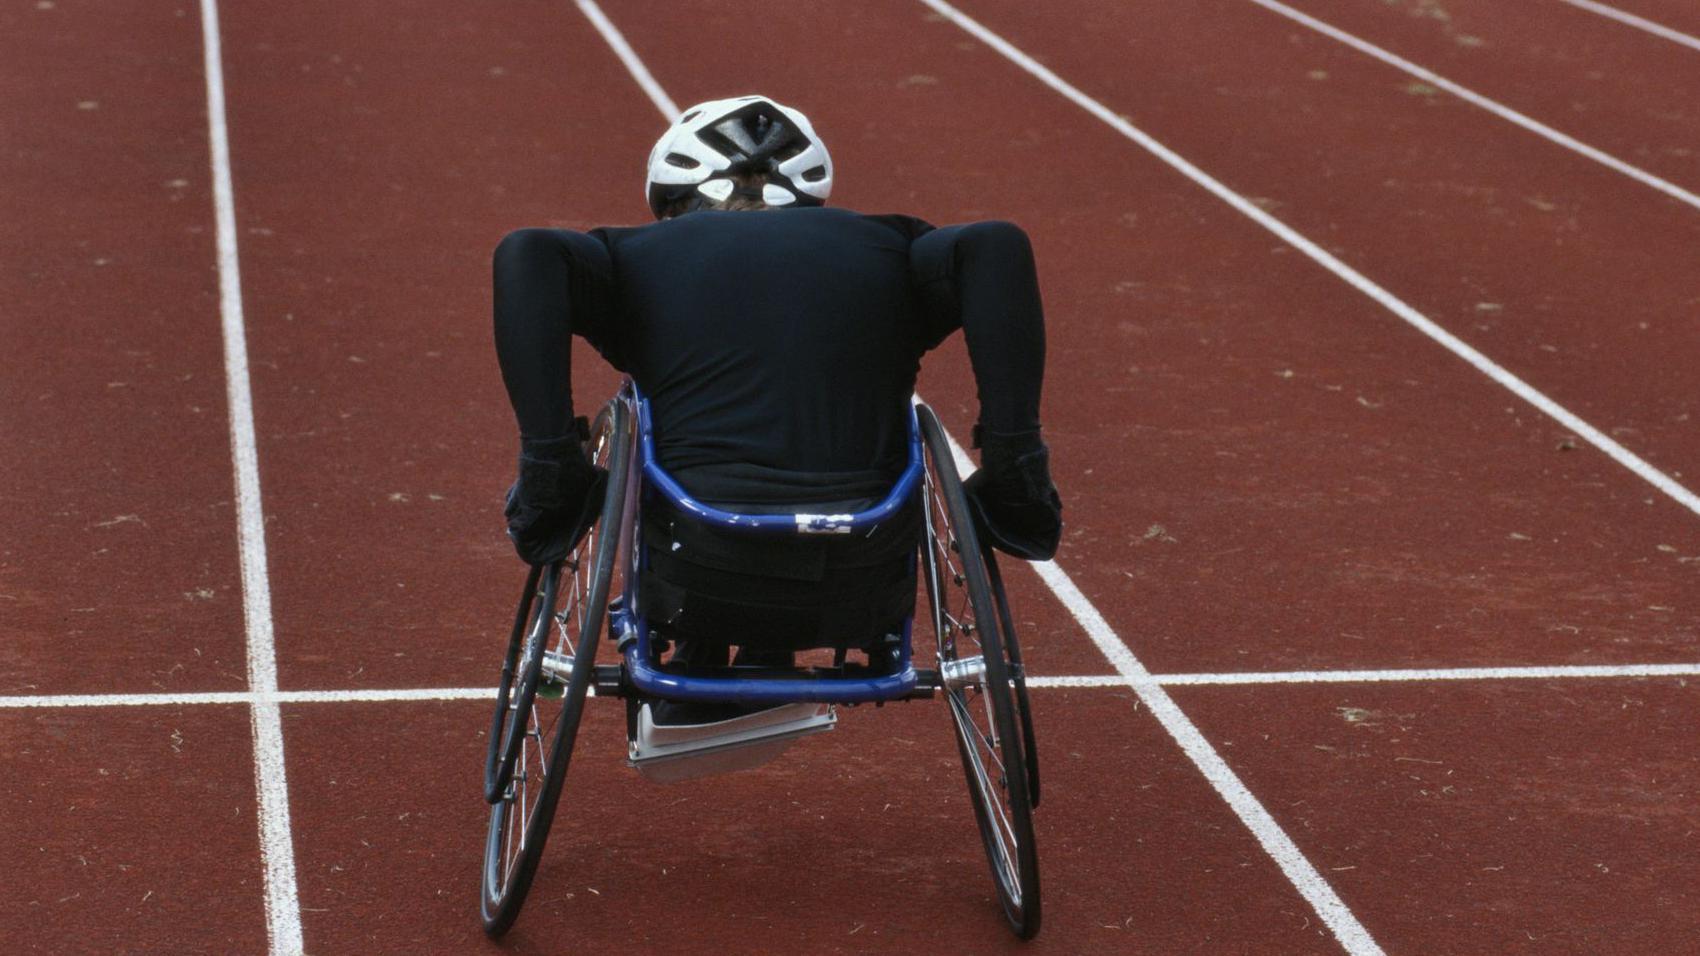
{"points": [[1004, 830], [552, 683], [975, 658], [987, 738]]}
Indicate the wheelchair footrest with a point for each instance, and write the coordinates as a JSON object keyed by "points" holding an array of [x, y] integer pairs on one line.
{"points": [[668, 753]]}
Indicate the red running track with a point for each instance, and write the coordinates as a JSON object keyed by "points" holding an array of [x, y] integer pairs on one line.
{"points": [[117, 546], [1265, 471]]}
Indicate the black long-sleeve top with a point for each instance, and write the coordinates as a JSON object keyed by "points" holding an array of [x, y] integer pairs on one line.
{"points": [[779, 349]]}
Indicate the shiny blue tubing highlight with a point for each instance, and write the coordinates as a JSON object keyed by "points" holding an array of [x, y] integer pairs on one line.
{"points": [[658, 478], [631, 631], [651, 682]]}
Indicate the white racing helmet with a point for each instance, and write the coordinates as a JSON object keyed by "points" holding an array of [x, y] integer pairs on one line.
{"points": [[712, 142]]}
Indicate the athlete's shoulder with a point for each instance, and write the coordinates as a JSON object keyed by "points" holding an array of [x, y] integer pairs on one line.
{"points": [[813, 222], [910, 227], [609, 235]]}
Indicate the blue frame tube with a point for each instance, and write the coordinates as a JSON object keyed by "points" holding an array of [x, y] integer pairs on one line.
{"points": [[658, 478], [652, 682], [632, 631]]}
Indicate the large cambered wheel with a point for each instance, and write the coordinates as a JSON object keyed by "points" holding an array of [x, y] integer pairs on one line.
{"points": [[546, 676], [984, 686]]}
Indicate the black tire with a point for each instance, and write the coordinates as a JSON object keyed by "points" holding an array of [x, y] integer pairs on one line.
{"points": [[1018, 676], [524, 807], [982, 683], [503, 745]]}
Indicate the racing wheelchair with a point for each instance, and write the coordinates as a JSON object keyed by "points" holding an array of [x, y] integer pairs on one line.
{"points": [[550, 665]]}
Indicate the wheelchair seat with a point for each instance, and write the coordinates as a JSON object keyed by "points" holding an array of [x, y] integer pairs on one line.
{"points": [[707, 584], [823, 571]]}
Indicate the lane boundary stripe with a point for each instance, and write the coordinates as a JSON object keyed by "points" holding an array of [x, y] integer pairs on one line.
{"points": [[277, 851], [1641, 23], [352, 696], [1059, 681], [1304, 876], [1280, 847], [1528, 393], [1388, 675], [1476, 99], [617, 42]]}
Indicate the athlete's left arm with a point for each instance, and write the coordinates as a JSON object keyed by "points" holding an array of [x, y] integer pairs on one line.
{"points": [[980, 277]]}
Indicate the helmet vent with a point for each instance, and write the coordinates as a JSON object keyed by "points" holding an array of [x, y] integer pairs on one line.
{"points": [[814, 175], [681, 161]]}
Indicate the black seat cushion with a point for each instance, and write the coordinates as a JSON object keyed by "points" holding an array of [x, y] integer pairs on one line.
{"points": [[703, 583]]}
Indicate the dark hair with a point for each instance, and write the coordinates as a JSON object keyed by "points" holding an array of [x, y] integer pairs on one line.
{"points": [[740, 200]]}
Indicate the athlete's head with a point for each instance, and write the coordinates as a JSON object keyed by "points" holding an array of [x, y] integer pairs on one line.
{"points": [[746, 152]]}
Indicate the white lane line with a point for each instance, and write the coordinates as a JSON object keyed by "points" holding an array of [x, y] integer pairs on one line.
{"points": [[283, 906], [1350, 933], [1317, 254], [1557, 672], [384, 696], [617, 42], [1274, 840], [125, 700], [1496, 108], [381, 696], [1638, 22], [1037, 682], [1399, 675]]}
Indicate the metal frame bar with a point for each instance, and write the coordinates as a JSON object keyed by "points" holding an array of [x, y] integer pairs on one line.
{"points": [[631, 631], [799, 523]]}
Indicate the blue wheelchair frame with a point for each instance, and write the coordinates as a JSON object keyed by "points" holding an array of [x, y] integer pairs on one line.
{"points": [[979, 669], [632, 631]]}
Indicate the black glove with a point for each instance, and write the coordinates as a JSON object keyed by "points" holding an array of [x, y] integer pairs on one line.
{"points": [[1016, 507], [556, 499]]}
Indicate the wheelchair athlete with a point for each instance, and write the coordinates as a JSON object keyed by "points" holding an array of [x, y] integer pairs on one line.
{"points": [[778, 353]]}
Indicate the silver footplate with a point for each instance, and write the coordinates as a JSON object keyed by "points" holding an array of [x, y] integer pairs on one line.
{"points": [[668, 753]]}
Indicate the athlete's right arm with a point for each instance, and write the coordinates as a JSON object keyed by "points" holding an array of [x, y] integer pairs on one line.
{"points": [[549, 284]]}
